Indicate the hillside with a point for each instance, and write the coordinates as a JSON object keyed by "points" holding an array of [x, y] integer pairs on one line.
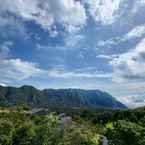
{"points": [[69, 98]]}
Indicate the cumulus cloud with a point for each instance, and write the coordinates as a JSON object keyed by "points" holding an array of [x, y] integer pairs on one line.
{"points": [[17, 70], [73, 41], [108, 12], [133, 101], [104, 11], [134, 33], [48, 13], [130, 65], [69, 14]]}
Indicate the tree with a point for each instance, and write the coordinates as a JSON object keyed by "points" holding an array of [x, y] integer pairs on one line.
{"points": [[24, 134], [6, 132], [125, 133]]}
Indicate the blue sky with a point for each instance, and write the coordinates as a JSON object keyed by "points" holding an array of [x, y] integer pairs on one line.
{"points": [[89, 44]]}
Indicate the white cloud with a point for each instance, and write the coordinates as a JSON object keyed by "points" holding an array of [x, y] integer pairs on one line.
{"points": [[142, 1], [137, 6], [109, 57], [17, 70], [130, 65], [104, 11], [11, 27], [69, 13], [136, 32], [2, 84], [4, 49], [73, 40], [61, 73], [108, 42], [133, 101]]}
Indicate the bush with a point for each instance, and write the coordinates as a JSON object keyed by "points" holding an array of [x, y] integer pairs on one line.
{"points": [[126, 133], [18, 129]]}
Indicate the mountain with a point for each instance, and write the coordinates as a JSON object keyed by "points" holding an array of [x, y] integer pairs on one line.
{"points": [[68, 98]]}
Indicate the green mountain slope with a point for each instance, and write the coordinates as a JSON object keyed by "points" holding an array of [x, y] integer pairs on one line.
{"points": [[59, 98]]}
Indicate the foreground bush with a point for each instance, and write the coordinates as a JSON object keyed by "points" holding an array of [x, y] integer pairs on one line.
{"points": [[19, 129], [126, 133]]}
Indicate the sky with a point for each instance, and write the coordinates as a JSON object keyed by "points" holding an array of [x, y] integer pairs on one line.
{"points": [[88, 44]]}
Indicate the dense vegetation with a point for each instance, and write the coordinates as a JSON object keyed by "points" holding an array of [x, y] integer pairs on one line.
{"points": [[17, 128], [128, 128], [122, 127], [70, 98], [89, 125]]}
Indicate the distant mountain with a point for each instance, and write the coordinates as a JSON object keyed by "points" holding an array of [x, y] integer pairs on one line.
{"points": [[69, 98]]}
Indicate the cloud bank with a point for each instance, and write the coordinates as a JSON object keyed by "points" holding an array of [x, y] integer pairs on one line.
{"points": [[47, 13], [17, 70], [130, 65]]}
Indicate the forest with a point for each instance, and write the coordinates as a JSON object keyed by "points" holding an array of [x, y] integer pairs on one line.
{"points": [[62, 126]]}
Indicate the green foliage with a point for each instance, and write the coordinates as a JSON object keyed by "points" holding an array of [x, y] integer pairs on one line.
{"points": [[79, 137], [24, 134], [16, 128], [121, 127], [126, 133], [6, 132], [129, 131]]}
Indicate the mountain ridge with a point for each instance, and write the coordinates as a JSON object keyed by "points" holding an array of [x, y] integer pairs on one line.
{"points": [[58, 97]]}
